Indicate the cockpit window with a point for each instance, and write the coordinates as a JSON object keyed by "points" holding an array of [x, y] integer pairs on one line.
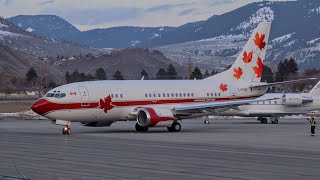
{"points": [[56, 95], [50, 95]]}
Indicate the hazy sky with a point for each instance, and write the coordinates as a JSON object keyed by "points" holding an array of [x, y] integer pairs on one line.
{"points": [[89, 14]]}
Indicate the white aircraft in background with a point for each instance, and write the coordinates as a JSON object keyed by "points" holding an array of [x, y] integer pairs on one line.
{"points": [[282, 105], [160, 103]]}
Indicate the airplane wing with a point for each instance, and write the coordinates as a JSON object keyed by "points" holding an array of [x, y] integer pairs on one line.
{"points": [[282, 83], [198, 108]]}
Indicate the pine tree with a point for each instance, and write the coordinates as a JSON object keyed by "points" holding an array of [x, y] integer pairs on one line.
{"points": [[100, 74], [31, 74], [196, 74], [213, 73], [161, 74], [144, 74], [68, 77], [267, 75], [206, 74], [171, 72], [117, 76], [281, 72]]}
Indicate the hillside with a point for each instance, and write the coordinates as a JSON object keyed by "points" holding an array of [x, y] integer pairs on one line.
{"points": [[129, 61], [15, 64]]}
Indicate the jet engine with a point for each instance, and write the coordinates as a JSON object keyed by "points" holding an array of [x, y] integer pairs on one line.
{"points": [[97, 124], [295, 99], [154, 117]]}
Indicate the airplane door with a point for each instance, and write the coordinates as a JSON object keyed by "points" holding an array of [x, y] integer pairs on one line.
{"points": [[85, 98]]}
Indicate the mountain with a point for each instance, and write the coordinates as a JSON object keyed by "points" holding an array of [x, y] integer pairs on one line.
{"points": [[46, 25], [129, 61], [16, 38], [55, 27], [214, 43]]}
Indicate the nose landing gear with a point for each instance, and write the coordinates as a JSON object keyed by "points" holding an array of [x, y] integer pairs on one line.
{"points": [[66, 130]]}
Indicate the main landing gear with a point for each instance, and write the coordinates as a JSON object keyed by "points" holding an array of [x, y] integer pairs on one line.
{"points": [[66, 130], [175, 127], [264, 120], [140, 128]]}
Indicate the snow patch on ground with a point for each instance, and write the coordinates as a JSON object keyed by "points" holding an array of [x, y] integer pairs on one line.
{"points": [[199, 29], [315, 10], [3, 25], [161, 29], [8, 34], [29, 29], [282, 38], [21, 115], [262, 14], [313, 41], [155, 35], [134, 43]]}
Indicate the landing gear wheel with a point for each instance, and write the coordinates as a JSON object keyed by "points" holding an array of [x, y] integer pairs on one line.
{"points": [[275, 121], [66, 130], [206, 122], [264, 120], [175, 127], [140, 128]]}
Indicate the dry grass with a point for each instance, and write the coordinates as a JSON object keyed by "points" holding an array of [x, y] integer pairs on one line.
{"points": [[15, 106]]}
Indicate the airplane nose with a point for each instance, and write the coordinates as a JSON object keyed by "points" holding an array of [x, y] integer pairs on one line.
{"points": [[40, 106]]}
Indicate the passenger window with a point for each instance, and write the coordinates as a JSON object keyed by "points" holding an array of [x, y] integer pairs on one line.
{"points": [[188, 94], [184, 94], [121, 96], [192, 94], [164, 94], [154, 95], [180, 94], [176, 94], [146, 95], [172, 95], [168, 94], [159, 95], [215, 94], [211, 94], [150, 95], [208, 94], [111, 95], [116, 95], [219, 94]]}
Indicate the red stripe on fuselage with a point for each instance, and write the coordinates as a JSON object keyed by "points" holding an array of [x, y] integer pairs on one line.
{"points": [[44, 106]]}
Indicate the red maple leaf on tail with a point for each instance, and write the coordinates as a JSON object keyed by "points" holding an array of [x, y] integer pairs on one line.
{"points": [[237, 73], [259, 41], [258, 70], [247, 57], [106, 104], [223, 87]]}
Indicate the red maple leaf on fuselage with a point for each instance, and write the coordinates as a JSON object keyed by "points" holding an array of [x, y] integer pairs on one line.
{"points": [[258, 70], [106, 104], [237, 73], [259, 41], [247, 57], [223, 87]]}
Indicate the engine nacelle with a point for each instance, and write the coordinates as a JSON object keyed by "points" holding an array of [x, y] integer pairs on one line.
{"points": [[154, 117], [295, 99], [97, 124]]}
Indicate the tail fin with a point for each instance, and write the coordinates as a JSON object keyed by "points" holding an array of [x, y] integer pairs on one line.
{"points": [[249, 64], [316, 90]]}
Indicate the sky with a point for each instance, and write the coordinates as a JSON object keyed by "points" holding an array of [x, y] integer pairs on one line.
{"points": [[91, 14]]}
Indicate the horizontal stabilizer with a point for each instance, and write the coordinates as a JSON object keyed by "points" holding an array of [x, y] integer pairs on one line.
{"points": [[282, 83]]}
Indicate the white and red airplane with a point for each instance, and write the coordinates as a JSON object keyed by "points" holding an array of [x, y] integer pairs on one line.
{"points": [[160, 103]]}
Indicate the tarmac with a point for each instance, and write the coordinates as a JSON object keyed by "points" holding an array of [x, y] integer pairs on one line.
{"points": [[223, 149]]}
